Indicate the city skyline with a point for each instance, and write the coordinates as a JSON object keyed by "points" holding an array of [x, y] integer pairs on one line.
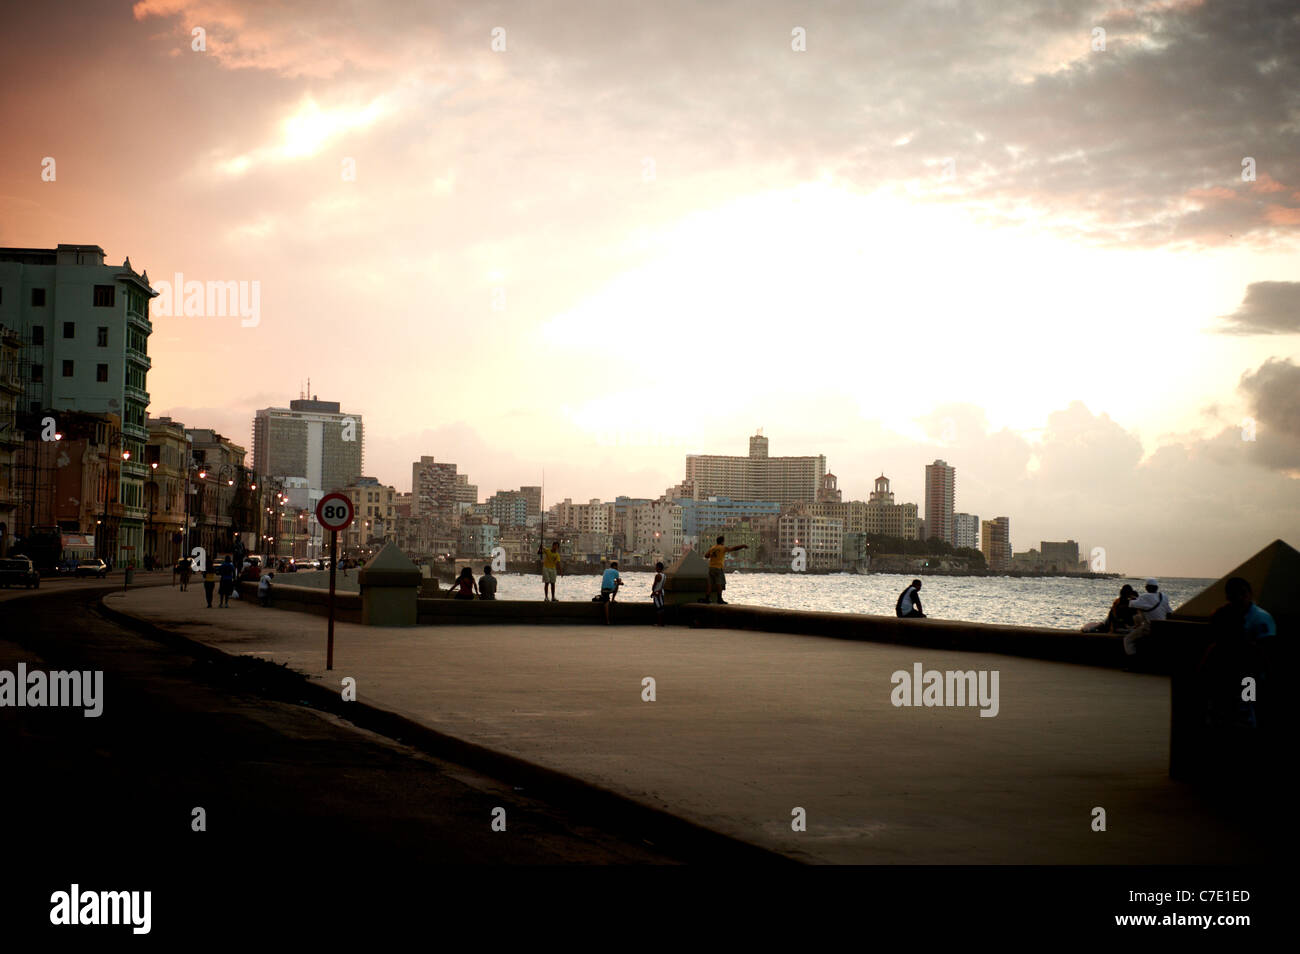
{"points": [[1068, 270]]}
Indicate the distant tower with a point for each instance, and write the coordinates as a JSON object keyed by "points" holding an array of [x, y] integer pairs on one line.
{"points": [[882, 494], [829, 492], [758, 445]]}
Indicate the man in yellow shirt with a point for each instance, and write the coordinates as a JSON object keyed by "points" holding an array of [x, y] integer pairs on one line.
{"points": [[717, 557], [550, 569]]}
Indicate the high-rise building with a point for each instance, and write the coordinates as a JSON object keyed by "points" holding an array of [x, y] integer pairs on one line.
{"points": [[995, 543], [85, 330], [756, 477], [533, 495], [940, 495], [509, 508], [438, 490], [966, 530], [11, 436], [311, 439]]}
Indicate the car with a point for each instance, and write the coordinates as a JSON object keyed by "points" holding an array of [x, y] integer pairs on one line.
{"points": [[18, 570], [92, 568]]}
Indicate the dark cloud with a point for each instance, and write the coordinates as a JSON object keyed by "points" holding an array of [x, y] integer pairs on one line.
{"points": [[1269, 308], [1273, 390]]}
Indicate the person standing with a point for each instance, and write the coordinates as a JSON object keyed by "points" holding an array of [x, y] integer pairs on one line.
{"points": [[550, 570], [185, 568], [226, 576], [657, 593], [610, 581], [717, 557], [909, 602], [487, 584]]}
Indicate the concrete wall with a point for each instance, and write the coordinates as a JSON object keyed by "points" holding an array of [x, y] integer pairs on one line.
{"points": [[1062, 645]]}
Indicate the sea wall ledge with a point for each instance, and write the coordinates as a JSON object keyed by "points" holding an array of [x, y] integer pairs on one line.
{"points": [[1092, 649]]}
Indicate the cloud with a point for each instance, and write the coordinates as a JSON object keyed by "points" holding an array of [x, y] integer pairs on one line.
{"points": [[1269, 308], [1274, 392]]}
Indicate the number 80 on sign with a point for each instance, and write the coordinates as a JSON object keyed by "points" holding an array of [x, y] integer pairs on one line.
{"points": [[334, 511]]}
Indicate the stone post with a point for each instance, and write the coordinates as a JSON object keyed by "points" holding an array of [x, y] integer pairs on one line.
{"points": [[390, 586], [687, 579]]}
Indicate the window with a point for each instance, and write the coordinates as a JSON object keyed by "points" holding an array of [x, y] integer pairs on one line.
{"points": [[102, 340], [38, 373], [38, 335], [67, 368], [69, 329], [38, 297], [104, 296], [101, 372]]}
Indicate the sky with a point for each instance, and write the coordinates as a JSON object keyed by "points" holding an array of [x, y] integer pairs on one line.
{"points": [[1052, 243]]}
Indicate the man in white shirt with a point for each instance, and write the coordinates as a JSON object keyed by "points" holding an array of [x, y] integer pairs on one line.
{"points": [[1154, 605]]}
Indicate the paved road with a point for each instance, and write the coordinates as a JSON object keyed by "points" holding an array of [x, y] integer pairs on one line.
{"points": [[288, 791]]}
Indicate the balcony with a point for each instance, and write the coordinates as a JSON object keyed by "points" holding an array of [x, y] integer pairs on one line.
{"points": [[139, 357]]}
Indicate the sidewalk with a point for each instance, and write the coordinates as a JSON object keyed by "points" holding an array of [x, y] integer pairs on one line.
{"points": [[748, 726]]}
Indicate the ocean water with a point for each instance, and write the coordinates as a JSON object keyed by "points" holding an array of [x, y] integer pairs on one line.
{"points": [[1057, 601]]}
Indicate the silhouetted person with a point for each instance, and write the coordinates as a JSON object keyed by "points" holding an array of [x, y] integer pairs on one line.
{"points": [[1240, 631], [909, 602], [463, 588], [487, 584]]}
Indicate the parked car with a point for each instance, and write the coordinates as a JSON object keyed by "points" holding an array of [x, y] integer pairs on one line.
{"points": [[65, 567], [18, 570], [92, 568]]}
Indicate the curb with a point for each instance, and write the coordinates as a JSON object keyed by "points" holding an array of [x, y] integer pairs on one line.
{"points": [[600, 807]]}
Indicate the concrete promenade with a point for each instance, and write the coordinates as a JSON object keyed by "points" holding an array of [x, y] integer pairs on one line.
{"points": [[749, 725]]}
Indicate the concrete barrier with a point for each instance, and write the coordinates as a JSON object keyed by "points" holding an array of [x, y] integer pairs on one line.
{"points": [[1090, 649], [307, 599]]}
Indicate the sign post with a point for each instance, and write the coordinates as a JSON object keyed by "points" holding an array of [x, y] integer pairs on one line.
{"points": [[334, 513]]}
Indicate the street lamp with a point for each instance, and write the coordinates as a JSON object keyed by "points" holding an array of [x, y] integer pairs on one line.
{"points": [[115, 437], [153, 506]]}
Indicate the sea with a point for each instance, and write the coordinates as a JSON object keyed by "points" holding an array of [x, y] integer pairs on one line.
{"points": [[1058, 602]]}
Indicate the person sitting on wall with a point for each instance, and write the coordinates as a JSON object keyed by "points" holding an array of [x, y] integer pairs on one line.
{"points": [[909, 602], [487, 584]]}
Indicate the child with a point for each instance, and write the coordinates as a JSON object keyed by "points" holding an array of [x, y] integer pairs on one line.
{"points": [[657, 593]]}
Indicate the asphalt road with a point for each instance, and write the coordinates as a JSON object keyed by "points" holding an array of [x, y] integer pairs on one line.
{"points": [[289, 792]]}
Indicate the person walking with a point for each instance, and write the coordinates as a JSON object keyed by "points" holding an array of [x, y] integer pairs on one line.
{"points": [[657, 593], [487, 584], [264, 588], [610, 581], [226, 577], [209, 583], [550, 570], [909, 602], [717, 557], [185, 568]]}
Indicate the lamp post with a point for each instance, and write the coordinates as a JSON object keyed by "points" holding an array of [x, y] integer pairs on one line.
{"points": [[151, 546], [230, 482], [115, 437], [191, 468]]}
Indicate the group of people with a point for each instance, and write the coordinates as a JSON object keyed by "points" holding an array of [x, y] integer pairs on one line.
{"points": [[221, 579], [1132, 614]]}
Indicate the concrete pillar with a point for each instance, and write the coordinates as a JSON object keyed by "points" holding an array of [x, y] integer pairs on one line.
{"points": [[687, 579], [390, 586]]}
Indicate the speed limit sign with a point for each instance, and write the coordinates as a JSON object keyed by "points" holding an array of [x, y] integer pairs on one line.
{"points": [[334, 512]]}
